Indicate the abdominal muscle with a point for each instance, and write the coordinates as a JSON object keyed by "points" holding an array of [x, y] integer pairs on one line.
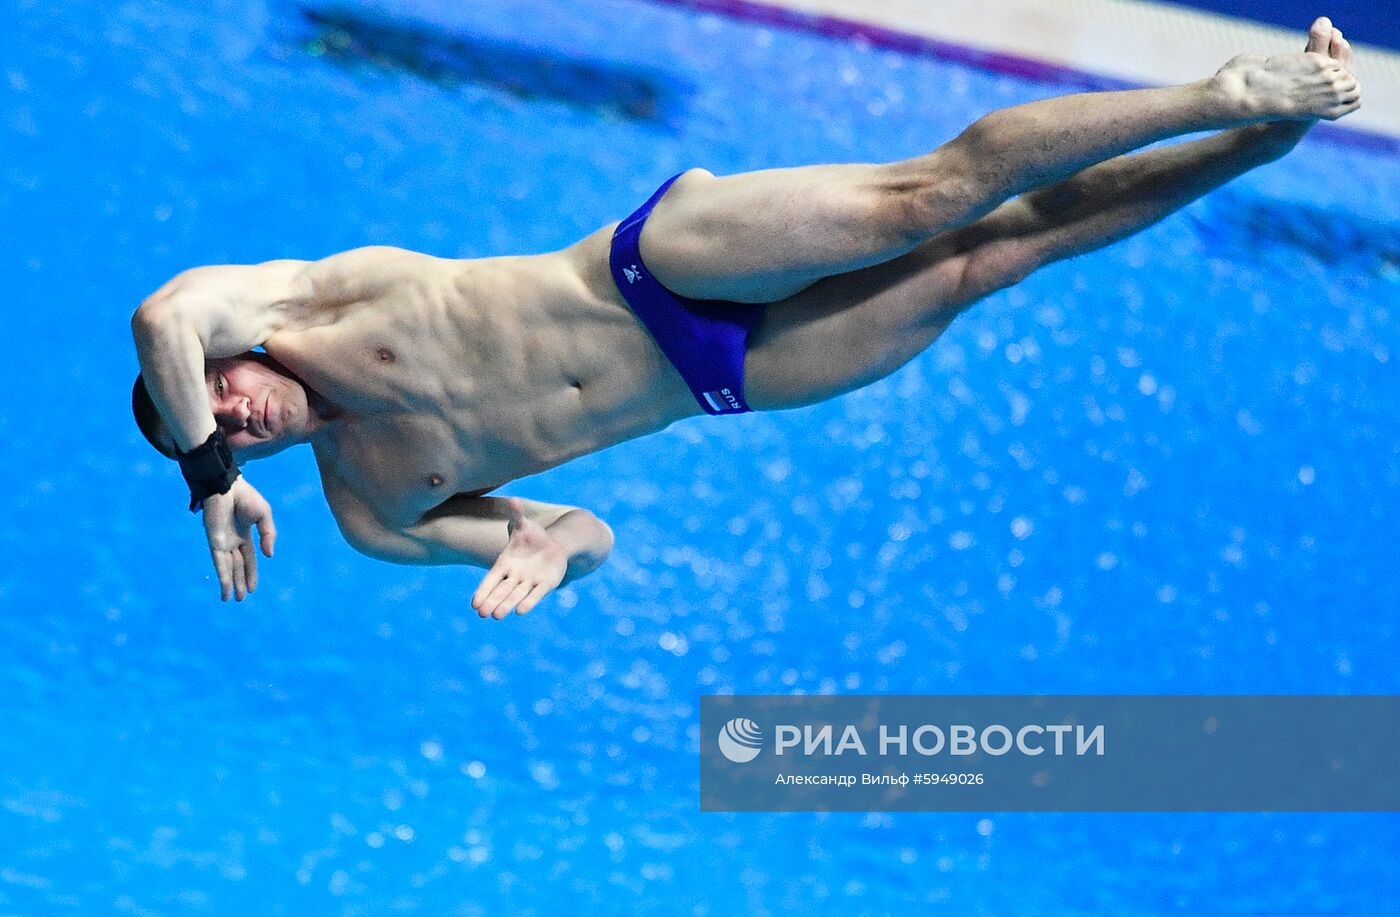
{"points": [[619, 388], [622, 385]]}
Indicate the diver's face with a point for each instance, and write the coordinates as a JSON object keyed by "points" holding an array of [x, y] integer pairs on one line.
{"points": [[260, 410]]}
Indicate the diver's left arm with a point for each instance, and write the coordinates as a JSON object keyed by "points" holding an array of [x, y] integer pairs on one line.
{"points": [[540, 555], [529, 548]]}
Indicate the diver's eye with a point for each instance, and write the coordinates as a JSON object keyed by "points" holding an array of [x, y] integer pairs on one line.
{"points": [[219, 385]]}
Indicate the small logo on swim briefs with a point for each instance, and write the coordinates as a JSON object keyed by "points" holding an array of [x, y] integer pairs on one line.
{"points": [[723, 400], [740, 740], [633, 273]]}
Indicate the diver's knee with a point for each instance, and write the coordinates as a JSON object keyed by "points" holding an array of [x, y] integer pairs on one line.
{"points": [[996, 266], [937, 197]]}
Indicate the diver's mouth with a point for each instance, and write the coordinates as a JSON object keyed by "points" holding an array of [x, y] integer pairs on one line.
{"points": [[257, 421]]}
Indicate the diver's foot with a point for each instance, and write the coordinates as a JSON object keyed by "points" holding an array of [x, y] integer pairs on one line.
{"points": [[1325, 38], [1339, 49], [1320, 35], [1306, 86]]}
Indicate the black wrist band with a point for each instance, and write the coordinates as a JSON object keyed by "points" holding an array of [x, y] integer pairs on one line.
{"points": [[209, 469]]}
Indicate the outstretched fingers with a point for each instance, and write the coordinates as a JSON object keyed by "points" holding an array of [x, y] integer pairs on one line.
{"points": [[223, 569], [244, 555], [228, 525], [482, 598], [532, 599], [249, 557], [240, 575], [498, 592], [502, 592], [517, 594], [267, 534], [531, 566], [232, 573]]}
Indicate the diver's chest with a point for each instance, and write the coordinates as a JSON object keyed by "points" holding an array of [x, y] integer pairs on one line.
{"points": [[405, 466], [381, 365]]}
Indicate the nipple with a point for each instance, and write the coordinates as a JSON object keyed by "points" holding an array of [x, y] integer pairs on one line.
{"points": [[385, 355], [436, 479]]}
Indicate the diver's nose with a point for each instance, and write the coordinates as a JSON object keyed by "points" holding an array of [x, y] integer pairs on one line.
{"points": [[234, 412]]}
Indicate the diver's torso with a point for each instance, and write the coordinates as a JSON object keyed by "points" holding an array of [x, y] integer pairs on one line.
{"points": [[459, 376]]}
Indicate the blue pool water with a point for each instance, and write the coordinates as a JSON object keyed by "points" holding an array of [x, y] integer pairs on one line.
{"points": [[1170, 467]]}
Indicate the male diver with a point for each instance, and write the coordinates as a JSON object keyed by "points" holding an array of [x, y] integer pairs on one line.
{"points": [[424, 383]]}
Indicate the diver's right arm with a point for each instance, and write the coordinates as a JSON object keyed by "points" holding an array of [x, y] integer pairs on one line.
{"points": [[216, 311]]}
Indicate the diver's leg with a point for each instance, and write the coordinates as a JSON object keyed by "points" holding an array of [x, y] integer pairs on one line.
{"points": [[868, 323], [1119, 198], [763, 236], [865, 324]]}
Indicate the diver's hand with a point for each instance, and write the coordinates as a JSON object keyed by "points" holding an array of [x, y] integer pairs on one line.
{"points": [[532, 566], [228, 522]]}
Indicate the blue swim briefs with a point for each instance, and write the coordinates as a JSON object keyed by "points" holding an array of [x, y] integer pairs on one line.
{"points": [[703, 339]]}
